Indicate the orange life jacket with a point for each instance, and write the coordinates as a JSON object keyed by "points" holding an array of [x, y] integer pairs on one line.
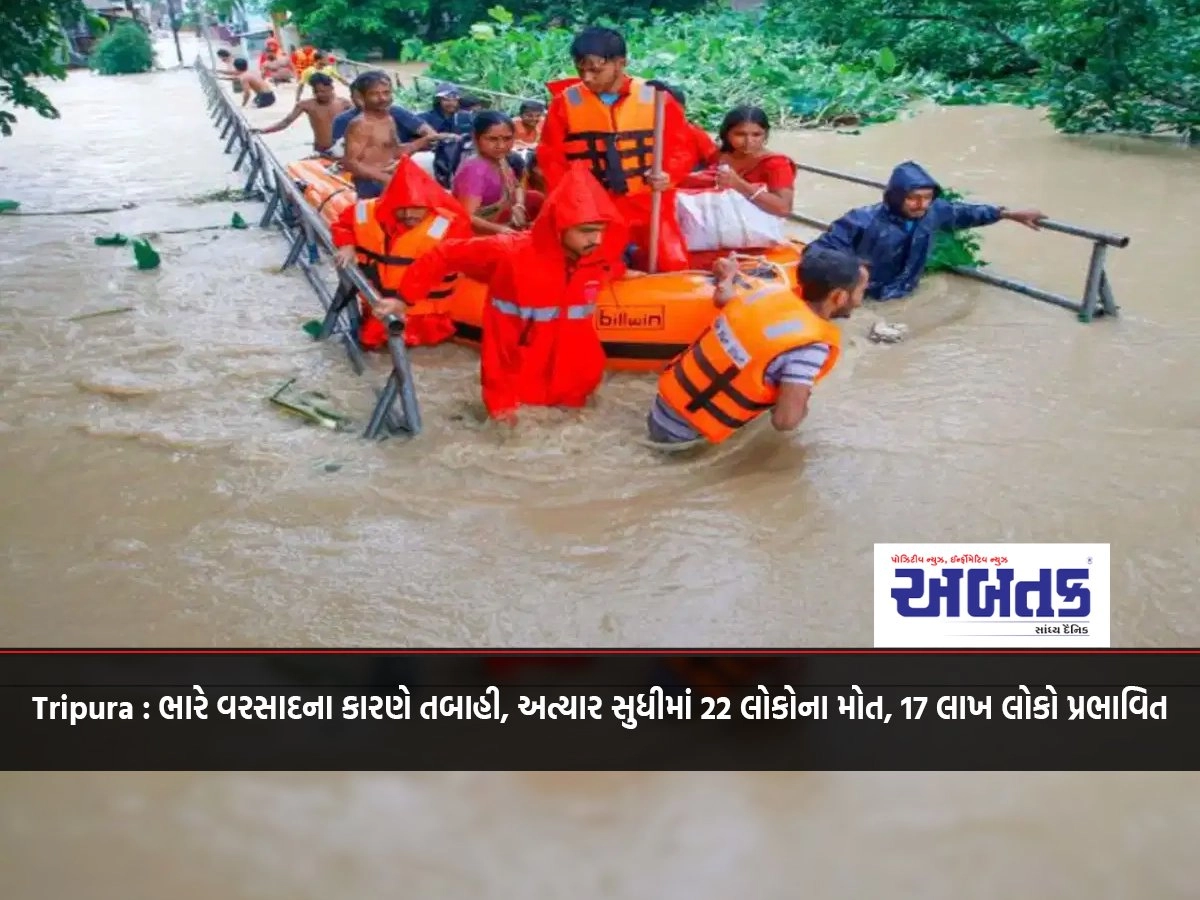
{"points": [[717, 385], [615, 140], [386, 263]]}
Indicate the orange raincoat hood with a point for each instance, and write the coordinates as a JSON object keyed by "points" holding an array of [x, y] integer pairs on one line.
{"points": [[577, 200], [412, 186]]}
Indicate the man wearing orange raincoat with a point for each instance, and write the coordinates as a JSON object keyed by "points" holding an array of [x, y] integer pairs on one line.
{"points": [[384, 236], [539, 345], [605, 118]]}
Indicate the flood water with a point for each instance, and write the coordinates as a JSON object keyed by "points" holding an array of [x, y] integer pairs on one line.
{"points": [[153, 498]]}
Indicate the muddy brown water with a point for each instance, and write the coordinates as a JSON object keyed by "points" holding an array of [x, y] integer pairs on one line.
{"points": [[152, 498]]}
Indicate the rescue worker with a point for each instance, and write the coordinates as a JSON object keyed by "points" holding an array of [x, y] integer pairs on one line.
{"points": [[606, 119], [384, 236], [271, 47], [896, 236], [766, 350], [303, 58], [540, 345]]}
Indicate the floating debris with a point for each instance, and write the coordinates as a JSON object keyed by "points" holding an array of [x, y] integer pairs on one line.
{"points": [[883, 333], [9, 205], [145, 255], [112, 240], [102, 312], [237, 221], [312, 328], [309, 405]]}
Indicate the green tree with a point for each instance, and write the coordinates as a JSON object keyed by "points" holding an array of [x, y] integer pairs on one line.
{"points": [[125, 50], [1099, 65], [32, 37]]}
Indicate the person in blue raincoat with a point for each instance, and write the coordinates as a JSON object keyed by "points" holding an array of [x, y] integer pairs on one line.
{"points": [[896, 236]]}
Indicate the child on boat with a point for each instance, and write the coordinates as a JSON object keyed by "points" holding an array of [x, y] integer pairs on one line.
{"points": [[539, 345]]}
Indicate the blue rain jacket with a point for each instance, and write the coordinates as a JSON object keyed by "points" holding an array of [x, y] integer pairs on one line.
{"points": [[897, 248]]}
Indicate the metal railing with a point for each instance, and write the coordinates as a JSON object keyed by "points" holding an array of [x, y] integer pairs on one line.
{"points": [[1097, 290], [396, 407], [1097, 296]]}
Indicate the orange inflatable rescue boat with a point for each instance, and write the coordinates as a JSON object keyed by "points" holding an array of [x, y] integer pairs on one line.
{"points": [[644, 321]]}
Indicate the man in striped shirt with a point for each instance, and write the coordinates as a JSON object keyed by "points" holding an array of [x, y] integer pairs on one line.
{"points": [[833, 283]]}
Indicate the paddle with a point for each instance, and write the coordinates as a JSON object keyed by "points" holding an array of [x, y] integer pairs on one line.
{"points": [[660, 104]]}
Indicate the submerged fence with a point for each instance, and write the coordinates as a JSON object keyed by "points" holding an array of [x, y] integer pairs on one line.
{"points": [[397, 411]]}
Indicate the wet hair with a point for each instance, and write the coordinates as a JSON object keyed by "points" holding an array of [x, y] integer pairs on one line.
{"points": [[320, 79], [677, 93], [602, 42], [740, 115], [223, 54], [536, 106], [368, 80], [488, 118], [240, 64], [824, 270]]}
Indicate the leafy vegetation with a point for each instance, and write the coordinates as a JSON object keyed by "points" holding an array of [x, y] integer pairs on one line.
{"points": [[720, 58], [33, 42], [125, 50]]}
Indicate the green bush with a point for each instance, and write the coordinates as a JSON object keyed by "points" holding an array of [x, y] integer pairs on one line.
{"points": [[125, 50]]}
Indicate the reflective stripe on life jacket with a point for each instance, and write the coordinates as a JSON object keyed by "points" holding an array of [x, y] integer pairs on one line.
{"points": [[617, 141], [385, 263], [717, 385], [542, 313]]}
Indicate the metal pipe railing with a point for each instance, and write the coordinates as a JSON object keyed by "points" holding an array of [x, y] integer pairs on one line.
{"points": [[1103, 237], [1097, 298], [396, 406]]}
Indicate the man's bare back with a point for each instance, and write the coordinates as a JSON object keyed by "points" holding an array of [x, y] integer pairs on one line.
{"points": [[263, 93]]}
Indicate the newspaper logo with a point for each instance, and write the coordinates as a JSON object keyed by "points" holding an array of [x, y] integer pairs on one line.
{"points": [[992, 595]]}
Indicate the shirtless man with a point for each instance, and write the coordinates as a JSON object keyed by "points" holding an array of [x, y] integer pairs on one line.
{"points": [[372, 144], [253, 84], [322, 108]]}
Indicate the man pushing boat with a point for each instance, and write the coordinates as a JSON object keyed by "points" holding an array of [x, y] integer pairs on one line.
{"points": [[539, 344]]}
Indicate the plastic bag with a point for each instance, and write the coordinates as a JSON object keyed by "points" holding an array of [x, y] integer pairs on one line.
{"points": [[725, 220]]}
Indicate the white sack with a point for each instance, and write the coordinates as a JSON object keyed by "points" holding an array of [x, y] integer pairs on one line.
{"points": [[725, 220]]}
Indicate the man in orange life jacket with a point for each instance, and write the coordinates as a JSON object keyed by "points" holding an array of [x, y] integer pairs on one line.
{"points": [[606, 119], [386, 235], [539, 345], [766, 350]]}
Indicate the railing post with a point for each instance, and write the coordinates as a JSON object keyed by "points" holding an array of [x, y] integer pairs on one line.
{"points": [[1091, 286]]}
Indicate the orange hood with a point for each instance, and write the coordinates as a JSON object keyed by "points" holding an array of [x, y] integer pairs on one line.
{"points": [[579, 199], [411, 186], [557, 87]]}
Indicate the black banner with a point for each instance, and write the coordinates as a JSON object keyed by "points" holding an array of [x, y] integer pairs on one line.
{"points": [[603, 711]]}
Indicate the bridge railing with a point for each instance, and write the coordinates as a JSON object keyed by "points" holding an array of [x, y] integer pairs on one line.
{"points": [[396, 408]]}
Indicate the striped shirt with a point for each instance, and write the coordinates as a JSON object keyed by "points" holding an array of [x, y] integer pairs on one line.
{"points": [[793, 367]]}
